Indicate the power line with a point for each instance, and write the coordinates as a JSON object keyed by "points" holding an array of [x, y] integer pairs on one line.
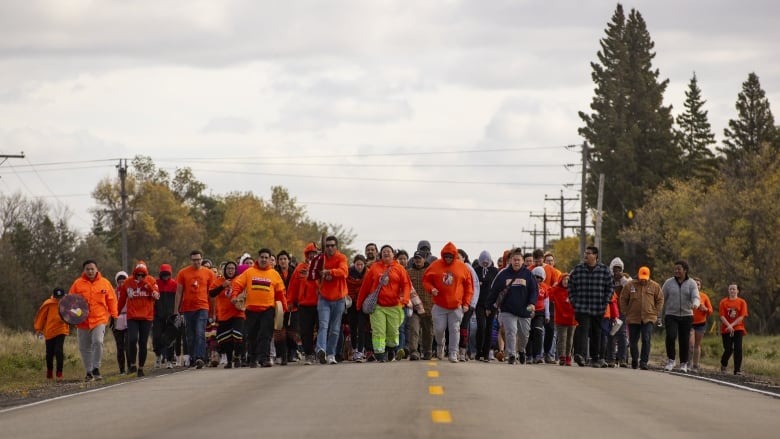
{"points": [[390, 206]]}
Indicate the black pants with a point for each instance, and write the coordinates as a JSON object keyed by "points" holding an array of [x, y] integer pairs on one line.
{"points": [[484, 331], [307, 317], [589, 327], [292, 327], [157, 346], [645, 330], [678, 327], [536, 336], [260, 330], [732, 344], [54, 351], [120, 338], [230, 337], [137, 339], [465, 322], [549, 331]]}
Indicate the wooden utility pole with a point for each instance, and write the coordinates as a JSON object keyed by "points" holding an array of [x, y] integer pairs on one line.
{"points": [[122, 166], [583, 212]]}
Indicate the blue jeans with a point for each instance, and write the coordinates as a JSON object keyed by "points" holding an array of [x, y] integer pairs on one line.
{"points": [[329, 312], [196, 333]]}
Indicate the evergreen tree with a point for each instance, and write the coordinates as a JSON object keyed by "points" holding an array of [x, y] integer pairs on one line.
{"points": [[695, 136], [755, 126], [630, 130]]}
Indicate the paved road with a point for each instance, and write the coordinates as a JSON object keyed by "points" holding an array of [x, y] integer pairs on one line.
{"points": [[404, 400]]}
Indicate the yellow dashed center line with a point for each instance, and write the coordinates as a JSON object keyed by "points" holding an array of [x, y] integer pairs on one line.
{"points": [[431, 363], [433, 374], [436, 390], [441, 416]]}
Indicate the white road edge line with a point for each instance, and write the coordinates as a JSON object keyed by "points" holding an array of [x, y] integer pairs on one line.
{"points": [[44, 401], [729, 384]]}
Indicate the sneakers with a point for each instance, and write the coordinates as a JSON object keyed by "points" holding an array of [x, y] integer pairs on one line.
{"points": [[309, 360], [738, 373], [561, 361], [511, 359], [453, 358], [321, 357], [358, 357], [267, 363], [199, 364], [548, 359], [49, 374], [623, 363], [140, 372], [684, 368], [695, 368], [132, 369], [580, 360], [414, 357], [538, 361], [168, 365], [400, 354], [462, 354], [723, 369], [331, 359], [158, 362], [89, 378], [440, 352], [223, 359], [568, 361], [96, 374], [522, 357], [669, 365], [59, 376]]}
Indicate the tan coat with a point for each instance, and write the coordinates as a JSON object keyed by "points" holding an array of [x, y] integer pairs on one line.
{"points": [[641, 301]]}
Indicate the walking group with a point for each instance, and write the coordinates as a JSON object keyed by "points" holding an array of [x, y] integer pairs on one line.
{"points": [[385, 306]]}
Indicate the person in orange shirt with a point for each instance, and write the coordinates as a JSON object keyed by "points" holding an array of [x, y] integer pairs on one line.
{"points": [[394, 288], [192, 301], [139, 294], [230, 319], [101, 300], [264, 287], [541, 317], [303, 297], [452, 287], [700, 316], [733, 310], [330, 305], [50, 326], [565, 324]]}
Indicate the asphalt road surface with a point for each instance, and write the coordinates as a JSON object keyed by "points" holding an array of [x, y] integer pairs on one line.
{"points": [[429, 399]]}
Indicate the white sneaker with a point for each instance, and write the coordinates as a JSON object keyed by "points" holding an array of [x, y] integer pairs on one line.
{"points": [[331, 359], [223, 359], [462, 354], [358, 357], [669, 365], [158, 363], [186, 361], [168, 365], [684, 368]]}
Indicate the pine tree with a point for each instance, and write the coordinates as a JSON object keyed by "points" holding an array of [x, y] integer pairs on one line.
{"points": [[695, 136], [630, 130], [755, 126]]}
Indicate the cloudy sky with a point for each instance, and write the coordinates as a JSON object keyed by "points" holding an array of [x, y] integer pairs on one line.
{"points": [[438, 120]]}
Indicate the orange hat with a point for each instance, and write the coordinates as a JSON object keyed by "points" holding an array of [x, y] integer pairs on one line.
{"points": [[310, 248], [644, 273]]}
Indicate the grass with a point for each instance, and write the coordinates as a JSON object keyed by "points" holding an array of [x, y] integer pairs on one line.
{"points": [[23, 361]]}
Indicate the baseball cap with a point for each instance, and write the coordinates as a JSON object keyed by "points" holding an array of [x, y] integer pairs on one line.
{"points": [[644, 273], [419, 254]]}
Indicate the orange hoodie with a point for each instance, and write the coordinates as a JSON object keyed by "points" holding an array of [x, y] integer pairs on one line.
{"points": [[303, 291], [100, 297], [145, 293], [48, 320], [334, 286], [396, 292], [453, 280], [263, 288]]}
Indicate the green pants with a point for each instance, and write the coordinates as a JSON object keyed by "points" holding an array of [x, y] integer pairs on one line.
{"points": [[385, 321]]}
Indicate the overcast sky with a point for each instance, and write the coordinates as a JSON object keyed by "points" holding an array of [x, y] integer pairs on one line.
{"points": [[366, 111]]}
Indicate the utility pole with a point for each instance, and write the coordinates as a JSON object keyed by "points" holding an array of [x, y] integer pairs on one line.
{"points": [[599, 213], [562, 220], [583, 212], [5, 157], [122, 166], [544, 232]]}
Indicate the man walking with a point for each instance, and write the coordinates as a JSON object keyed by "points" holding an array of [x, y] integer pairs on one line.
{"points": [[590, 288]]}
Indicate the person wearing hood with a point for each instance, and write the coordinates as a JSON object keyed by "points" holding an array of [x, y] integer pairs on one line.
{"points": [[139, 294], [230, 319], [641, 302], [101, 299], [514, 293], [613, 317], [391, 280], [303, 301], [163, 309], [50, 326], [424, 247], [486, 272], [420, 323], [119, 327], [465, 323], [449, 281]]}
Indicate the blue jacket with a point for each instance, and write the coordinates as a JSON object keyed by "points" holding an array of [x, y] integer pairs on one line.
{"points": [[523, 291]]}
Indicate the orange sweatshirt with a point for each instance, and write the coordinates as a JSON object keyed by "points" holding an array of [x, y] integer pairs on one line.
{"points": [[195, 287], [263, 288], [302, 291], [700, 317], [141, 305], [334, 286], [396, 292], [224, 307], [453, 280], [48, 320], [100, 297]]}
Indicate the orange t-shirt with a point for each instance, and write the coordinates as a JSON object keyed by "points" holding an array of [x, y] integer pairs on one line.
{"points": [[195, 288], [731, 310], [700, 317]]}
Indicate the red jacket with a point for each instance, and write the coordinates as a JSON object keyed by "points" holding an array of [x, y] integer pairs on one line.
{"points": [[145, 293], [564, 312]]}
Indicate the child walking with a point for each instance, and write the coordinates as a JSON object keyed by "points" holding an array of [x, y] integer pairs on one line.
{"points": [[733, 311], [49, 325]]}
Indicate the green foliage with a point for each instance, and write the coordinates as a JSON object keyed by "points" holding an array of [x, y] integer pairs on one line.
{"points": [[629, 129], [695, 137]]}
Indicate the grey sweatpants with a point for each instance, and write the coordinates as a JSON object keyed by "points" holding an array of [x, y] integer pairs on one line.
{"points": [[91, 347], [516, 330]]}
